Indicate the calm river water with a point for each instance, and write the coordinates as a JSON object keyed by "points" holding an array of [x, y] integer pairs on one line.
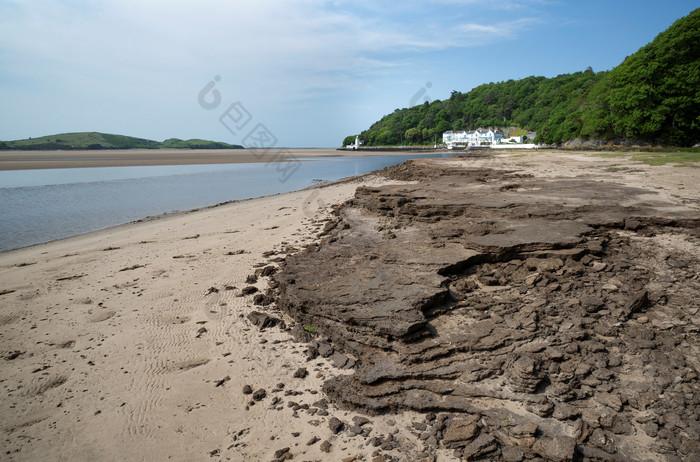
{"points": [[43, 205]]}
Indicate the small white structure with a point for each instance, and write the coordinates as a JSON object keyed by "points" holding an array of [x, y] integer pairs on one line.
{"points": [[471, 138], [508, 146], [354, 145], [513, 139]]}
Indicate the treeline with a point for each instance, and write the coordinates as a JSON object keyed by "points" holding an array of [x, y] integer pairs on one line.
{"points": [[652, 96]]}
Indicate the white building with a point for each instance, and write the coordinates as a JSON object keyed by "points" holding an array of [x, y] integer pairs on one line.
{"points": [[471, 138], [356, 145]]}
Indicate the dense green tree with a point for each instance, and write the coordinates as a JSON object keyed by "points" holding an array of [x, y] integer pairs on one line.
{"points": [[653, 95]]}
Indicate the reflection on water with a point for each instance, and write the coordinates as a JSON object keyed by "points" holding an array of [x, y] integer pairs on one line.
{"points": [[42, 205]]}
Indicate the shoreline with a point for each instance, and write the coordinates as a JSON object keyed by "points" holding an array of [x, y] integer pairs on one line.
{"points": [[114, 341], [178, 213], [135, 342], [34, 160]]}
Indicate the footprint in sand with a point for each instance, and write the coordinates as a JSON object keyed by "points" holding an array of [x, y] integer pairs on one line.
{"points": [[67, 344], [101, 316]]}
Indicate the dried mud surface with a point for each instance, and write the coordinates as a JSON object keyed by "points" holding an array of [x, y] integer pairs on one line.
{"points": [[527, 316]]}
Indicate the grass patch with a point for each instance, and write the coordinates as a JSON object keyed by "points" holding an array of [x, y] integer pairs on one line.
{"points": [[663, 158], [683, 157], [610, 155]]}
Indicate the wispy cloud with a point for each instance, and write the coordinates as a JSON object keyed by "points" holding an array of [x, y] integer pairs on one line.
{"points": [[273, 51]]}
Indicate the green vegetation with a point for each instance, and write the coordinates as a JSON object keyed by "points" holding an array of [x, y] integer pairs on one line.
{"points": [[310, 329], [652, 96], [686, 157], [95, 140], [174, 143]]}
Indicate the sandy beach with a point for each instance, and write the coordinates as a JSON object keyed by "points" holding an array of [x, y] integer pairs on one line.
{"points": [[23, 160], [114, 342], [134, 343]]}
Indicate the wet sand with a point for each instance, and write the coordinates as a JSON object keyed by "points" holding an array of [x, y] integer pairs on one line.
{"points": [[24, 160]]}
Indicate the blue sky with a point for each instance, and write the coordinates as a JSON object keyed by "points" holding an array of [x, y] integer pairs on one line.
{"points": [[310, 71]]}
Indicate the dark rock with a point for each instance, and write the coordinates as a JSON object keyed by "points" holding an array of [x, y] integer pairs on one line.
{"points": [[321, 404], [262, 300], [301, 334], [632, 225], [563, 411], [301, 373], [359, 420], [420, 426], [311, 353], [281, 454], [542, 409], [313, 441], [264, 321], [522, 376], [483, 446], [259, 394], [559, 448], [336, 425], [325, 349], [592, 304], [251, 279], [651, 429], [612, 401], [640, 302], [341, 361], [525, 430], [554, 353], [249, 290], [460, 432], [603, 440], [512, 454], [247, 390]]}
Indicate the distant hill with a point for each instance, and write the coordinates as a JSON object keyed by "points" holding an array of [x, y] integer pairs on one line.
{"points": [[653, 96], [95, 140]]}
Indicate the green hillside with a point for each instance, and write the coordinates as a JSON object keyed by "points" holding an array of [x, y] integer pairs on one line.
{"points": [[174, 143], [95, 140], [652, 96]]}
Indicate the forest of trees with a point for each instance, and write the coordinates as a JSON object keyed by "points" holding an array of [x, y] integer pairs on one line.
{"points": [[652, 96]]}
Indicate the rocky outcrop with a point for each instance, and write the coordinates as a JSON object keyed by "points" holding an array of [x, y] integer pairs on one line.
{"points": [[542, 308]]}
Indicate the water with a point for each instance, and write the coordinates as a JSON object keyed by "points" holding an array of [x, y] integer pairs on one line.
{"points": [[42, 205]]}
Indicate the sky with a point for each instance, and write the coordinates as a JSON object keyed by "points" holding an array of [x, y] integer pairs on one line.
{"points": [[306, 72]]}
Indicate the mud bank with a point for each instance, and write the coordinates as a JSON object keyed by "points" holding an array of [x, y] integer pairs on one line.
{"points": [[528, 316]]}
